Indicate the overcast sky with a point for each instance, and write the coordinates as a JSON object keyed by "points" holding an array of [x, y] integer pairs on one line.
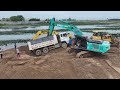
{"points": [[63, 14]]}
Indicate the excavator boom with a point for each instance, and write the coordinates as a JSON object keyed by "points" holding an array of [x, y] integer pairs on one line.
{"points": [[66, 26], [94, 46]]}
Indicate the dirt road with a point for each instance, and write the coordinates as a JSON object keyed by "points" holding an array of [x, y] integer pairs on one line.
{"points": [[58, 64]]}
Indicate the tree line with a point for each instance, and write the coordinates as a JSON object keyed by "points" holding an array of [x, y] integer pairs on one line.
{"points": [[19, 18]]}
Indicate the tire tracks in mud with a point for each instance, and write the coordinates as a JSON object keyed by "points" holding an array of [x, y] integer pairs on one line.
{"points": [[100, 65], [112, 66], [107, 67]]}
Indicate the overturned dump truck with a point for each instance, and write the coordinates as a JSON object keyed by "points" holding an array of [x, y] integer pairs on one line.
{"points": [[45, 44]]}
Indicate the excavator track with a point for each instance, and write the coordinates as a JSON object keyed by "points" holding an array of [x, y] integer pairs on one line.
{"points": [[80, 54], [69, 50], [84, 54]]}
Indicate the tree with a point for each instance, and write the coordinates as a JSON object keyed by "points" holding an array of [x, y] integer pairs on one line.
{"points": [[20, 18], [34, 19], [17, 18]]}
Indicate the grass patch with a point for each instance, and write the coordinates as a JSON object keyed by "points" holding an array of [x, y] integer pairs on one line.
{"points": [[115, 28], [4, 42]]}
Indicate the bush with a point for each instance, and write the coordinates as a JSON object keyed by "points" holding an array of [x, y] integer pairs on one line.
{"points": [[17, 18], [34, 19]]}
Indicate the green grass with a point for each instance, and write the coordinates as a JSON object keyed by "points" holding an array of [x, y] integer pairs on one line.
{"points": [[2, 24], [111, 28], [18, 32]]}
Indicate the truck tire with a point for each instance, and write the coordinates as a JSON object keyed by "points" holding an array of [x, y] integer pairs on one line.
{"points": [[45, 50], [64, 45], [38, 52]]}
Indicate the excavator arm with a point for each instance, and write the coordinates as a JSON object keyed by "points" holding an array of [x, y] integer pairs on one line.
{"points": [[37, 35], [65, 25], [41, 33]]}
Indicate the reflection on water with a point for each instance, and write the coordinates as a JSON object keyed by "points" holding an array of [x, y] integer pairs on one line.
{"points": [[111, 31], [15, 37], [5, 29], [57, 28], [29, 36], [47, 27]]}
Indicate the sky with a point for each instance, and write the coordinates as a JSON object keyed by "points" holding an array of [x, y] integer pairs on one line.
{"points": [[80, 15]]}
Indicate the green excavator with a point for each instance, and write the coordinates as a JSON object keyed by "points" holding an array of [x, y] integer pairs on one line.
{"points": [[80, 43]]}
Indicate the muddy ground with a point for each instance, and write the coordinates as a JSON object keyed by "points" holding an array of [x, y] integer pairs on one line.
{"points": [[59, 64]]}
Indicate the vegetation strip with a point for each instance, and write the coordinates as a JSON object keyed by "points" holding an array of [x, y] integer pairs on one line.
{"points": [[35, 31], [5, 42], [81, 22]]}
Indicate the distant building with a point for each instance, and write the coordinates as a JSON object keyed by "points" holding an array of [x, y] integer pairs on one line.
{"points": [[5, 19], [114, 19]]}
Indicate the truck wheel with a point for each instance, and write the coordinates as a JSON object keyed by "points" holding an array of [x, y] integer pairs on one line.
{"points": [[38, 52], [64, 45], [45, 50]]}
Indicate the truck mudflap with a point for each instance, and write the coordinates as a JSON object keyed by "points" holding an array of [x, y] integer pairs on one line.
{"points": [[29, 45], [57, 45]]}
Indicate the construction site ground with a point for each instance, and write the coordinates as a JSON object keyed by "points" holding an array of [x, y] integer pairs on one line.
{"points": [[59, 64]]}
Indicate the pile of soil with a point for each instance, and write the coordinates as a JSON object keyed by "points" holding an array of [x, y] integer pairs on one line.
{"points": [[59, 64]]}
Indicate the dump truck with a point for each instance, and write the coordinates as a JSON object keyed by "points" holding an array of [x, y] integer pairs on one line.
{"points": [[45, 44]]}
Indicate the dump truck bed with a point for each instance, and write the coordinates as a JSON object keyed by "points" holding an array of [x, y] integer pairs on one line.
{"points": [[42, 42]]}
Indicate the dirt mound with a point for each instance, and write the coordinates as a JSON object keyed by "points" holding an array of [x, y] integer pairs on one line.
{"points": [[25, 49], [58, 64]]}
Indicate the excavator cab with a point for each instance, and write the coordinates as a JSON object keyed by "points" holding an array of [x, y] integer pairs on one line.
{"points": [[82, 42]]}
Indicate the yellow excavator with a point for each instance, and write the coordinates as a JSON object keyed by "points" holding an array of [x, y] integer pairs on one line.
{"points": [[105, 36], [100, 35], [36, 36]]}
